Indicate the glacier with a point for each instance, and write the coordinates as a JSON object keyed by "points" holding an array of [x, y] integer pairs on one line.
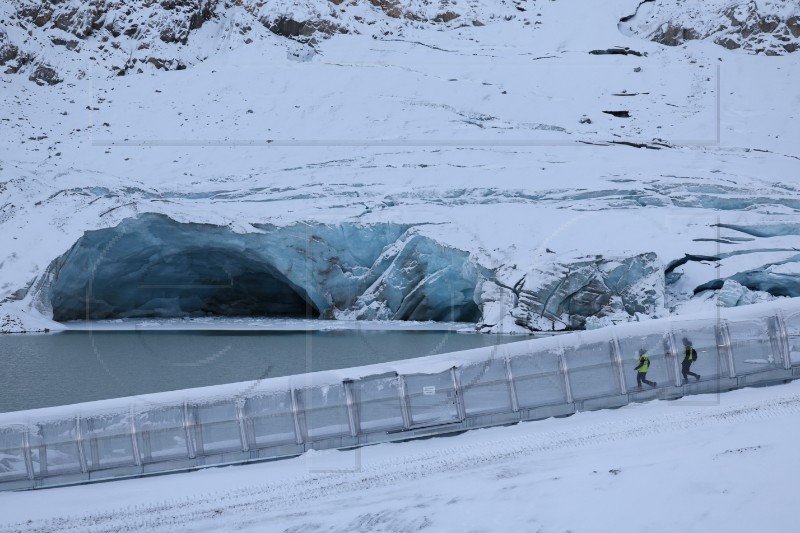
{"points": [[153, 266]]}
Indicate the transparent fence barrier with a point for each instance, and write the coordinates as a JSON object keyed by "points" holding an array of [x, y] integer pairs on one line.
{"points": [[161, 434], [325, 411], [753, 351], [432, 398], [662, 365], [792, 323], [485, 387], [54, 448], [107, 441], [12, 454], [377, 401], [269, 420], [538, 378], [592, 370], [711, 360], [217, 427], [597, 366]]}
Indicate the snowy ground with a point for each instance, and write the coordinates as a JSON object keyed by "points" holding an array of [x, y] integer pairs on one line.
{"points": [[703, 463]]}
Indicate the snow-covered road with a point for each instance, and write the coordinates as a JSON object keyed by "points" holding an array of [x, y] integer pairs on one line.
{"points": [[703, 463]]}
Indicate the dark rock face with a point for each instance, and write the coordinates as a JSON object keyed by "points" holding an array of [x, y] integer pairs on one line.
{"points": [[101, 21], [45, 75], [675, 35], [156, 30], [8, 52], [743, 25]]}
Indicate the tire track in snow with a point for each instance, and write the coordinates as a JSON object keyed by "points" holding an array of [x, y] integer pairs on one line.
{"points": [[289, 494]]}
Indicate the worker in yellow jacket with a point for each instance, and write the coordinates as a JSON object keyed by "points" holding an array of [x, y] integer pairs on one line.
{"points": [[642, 368]]}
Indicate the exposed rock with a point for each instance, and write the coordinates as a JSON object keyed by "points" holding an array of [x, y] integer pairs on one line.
{"points": [[164, 26], [45, 75], [617, 51], [755, 27], [8, 52], [793, 25], [674, 35], [447, 16]]}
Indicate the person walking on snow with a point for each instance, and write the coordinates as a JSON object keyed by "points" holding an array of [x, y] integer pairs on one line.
{"points": [[642, 368], [689, 357]]}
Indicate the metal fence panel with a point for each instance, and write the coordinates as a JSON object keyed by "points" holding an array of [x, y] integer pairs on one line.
{"points": [[161, 434], [432, 398], [107, 441], [378, 403], [485, 387], [12, 454], [325, 411], [592, 370], [538, 378], [269, 419], [752, 347], [792, 324], [217, 427], [54, 448]]}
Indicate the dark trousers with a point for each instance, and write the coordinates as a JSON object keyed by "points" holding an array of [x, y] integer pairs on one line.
{"points": [[685, 366], [641, 377]]}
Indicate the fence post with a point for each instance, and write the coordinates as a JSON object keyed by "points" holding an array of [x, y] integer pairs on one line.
{"points": [[26, 450], [238, 406], [298, 433], [671, 348], [783, 337], [352, 415], [137, 459], [512, 387], [42, 455], [562, 365], [404, 410], [724, 346], [617, 355], [460, 410], [187, 428], [79, 443], [726, 334]]}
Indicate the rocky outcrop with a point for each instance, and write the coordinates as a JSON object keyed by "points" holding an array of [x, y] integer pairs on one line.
{"points": [[771, 28], [45, 75], [133, 36]]}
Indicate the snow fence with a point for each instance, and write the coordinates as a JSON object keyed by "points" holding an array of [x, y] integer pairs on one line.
{"points": [[439, 394]]}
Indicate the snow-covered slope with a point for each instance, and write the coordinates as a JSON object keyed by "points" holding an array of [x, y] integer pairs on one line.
{"points": [[527, 154], [702, 463]]}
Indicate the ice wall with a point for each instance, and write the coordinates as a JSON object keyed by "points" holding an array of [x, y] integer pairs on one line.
{"points": [[152, 266]]}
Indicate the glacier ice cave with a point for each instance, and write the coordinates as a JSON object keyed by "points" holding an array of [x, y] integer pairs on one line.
{"points": [[153, 266]]}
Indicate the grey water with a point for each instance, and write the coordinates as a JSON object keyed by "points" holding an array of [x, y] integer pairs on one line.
{"points": [[79, 366]]}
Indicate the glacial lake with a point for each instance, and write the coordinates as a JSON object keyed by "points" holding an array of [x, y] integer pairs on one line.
{"points": [[79, 366]]}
